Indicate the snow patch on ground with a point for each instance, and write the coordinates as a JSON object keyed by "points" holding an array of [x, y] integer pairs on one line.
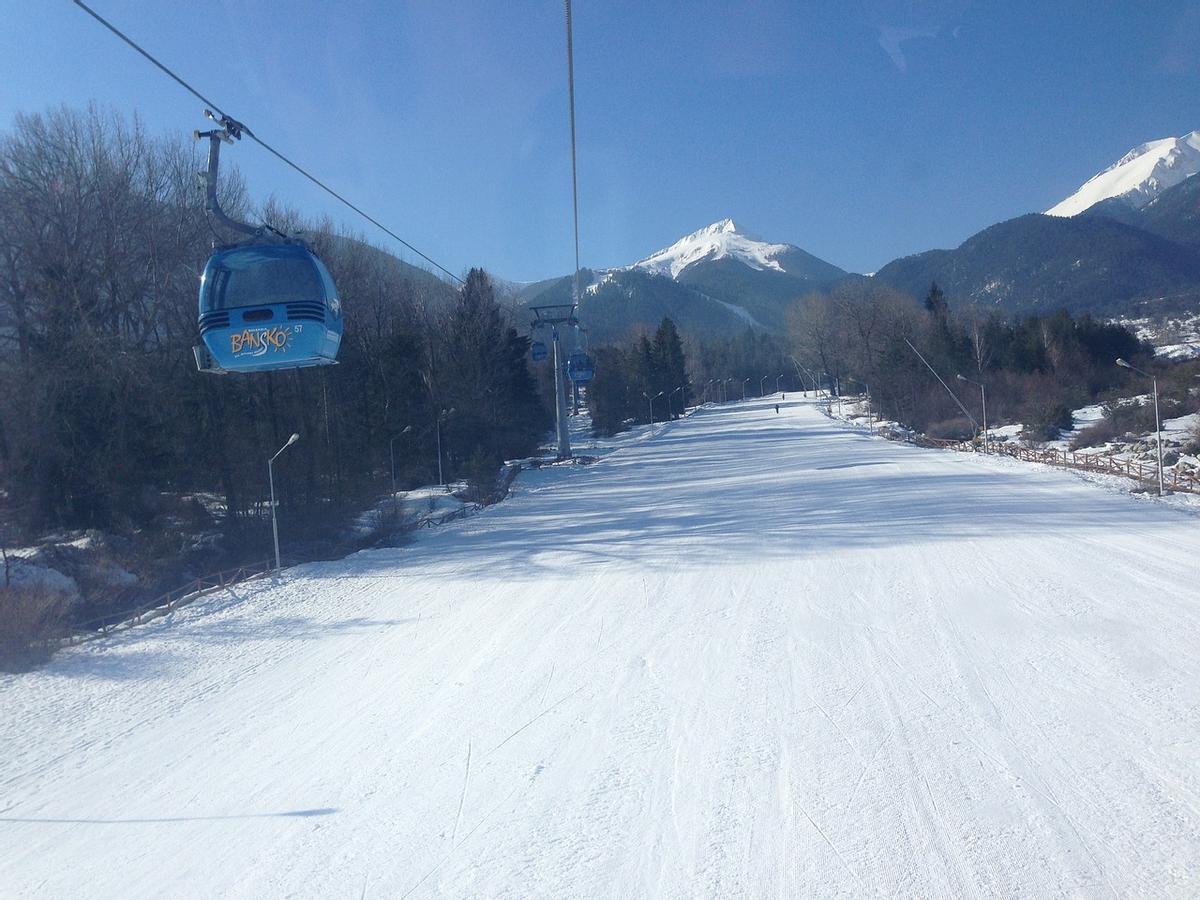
{"points": [[24, 574], [740, 311], [1173, 337]]}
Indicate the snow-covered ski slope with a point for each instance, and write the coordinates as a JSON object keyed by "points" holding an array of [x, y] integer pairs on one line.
{"points": [[754, 655]]}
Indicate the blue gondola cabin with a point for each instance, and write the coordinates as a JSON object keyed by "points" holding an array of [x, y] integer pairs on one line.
{"points": [[580, 368], [265, 307]]}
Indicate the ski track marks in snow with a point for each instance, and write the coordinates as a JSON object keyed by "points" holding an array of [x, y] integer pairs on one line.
{"points": [[747, 655]]}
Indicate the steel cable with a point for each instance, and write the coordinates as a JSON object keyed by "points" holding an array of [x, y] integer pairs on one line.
{"points": [[195, 93]]}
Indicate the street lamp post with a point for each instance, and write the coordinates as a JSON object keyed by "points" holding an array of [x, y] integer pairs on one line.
{"points": [[442, 417], [678, 390], [651, 400], [983, 402], [762, 389], [271, 479], [834, 388], [778, 378], [708, 388], [392, 454], [745, 381], [1157, 423]]}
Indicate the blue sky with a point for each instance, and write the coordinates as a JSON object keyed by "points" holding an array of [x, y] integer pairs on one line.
{"points": [[860, 131]]}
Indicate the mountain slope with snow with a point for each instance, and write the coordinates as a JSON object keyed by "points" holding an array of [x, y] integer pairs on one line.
{"points": [[723, 240], [616, 303], [714, 241], [751, 654], [1139, 176], [730, 265], [714, 281]]}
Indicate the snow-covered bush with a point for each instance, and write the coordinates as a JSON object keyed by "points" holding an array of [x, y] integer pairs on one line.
{"points": [[1045, 420], [481, 474]]}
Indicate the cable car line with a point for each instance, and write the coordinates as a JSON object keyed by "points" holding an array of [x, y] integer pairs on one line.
{"points": [[238, 128], [574, 177]]}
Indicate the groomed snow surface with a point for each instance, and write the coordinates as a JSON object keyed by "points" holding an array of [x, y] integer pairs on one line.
{"points": [[755, 654]]}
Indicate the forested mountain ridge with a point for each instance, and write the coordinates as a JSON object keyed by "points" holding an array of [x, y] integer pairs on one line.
{"points": [[1088, 263], [1174, 214], [1123, 245]]}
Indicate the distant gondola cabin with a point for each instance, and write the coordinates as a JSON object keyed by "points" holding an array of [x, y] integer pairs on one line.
{"points": [[580, 368]]}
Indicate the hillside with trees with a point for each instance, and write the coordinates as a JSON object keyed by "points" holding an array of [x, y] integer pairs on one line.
{"points": [[1040, 264], [764, 293], [105, 422], [1037, 368]]}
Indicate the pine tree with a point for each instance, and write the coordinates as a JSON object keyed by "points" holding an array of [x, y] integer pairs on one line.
{"points": [[670, 365], [935, 303], [489, 385]]}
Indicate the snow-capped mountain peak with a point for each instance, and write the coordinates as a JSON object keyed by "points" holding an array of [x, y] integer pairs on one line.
{"points": [[1139, 176], [720, 239]]}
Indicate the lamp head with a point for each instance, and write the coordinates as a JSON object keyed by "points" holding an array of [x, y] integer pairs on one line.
{"points": [[407, 429], [295, 437], [959, 377], [1123, 364]]}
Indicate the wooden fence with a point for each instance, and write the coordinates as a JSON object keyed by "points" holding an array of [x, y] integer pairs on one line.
{"points": [[167, 603], [1188, 481]]}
